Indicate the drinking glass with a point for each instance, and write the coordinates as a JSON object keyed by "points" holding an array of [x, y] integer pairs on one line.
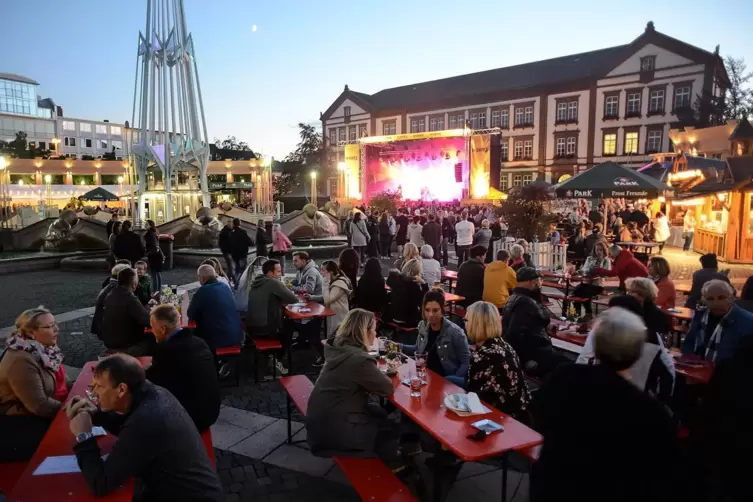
{"points": [[421, 364], [415, 385]]}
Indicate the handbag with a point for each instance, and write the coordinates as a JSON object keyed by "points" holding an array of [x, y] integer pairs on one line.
{"points": [[368, 238]]}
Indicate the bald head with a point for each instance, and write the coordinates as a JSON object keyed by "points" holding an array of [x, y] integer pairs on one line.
{"points": [[719, 296], [206, 274]]}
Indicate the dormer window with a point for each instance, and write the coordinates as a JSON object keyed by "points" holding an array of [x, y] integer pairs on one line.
{"points": [[648, 63]]}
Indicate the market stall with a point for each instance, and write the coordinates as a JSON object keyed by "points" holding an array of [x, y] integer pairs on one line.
{"points": [[612, 181]]}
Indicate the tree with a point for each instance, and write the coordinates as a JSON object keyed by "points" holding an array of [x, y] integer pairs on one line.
{"points": [[285, 182], [387, 201], [19, 144], [231, 148], [309, 151], [526, 212], [738, 97]]}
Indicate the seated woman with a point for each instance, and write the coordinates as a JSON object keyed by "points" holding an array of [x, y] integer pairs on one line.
{"points": [[654, 371], [658, 270], [244, 284], [495, 373], [336, 293], [340, 420], [350, 263], [517, 261], [431, 270], [371, 293], [599, 258], [443, 342], [32, 384], [410, 252], [635, 234], [407, 292]]}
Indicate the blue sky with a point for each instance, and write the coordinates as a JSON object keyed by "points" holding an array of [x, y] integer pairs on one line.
{"points": [[259, 85]]}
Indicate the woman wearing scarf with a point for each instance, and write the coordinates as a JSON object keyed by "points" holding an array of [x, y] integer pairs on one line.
{"points": [[32, 384]]}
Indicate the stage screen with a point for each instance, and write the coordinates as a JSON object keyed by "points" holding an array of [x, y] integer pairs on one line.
{"points": [[420, 169]]}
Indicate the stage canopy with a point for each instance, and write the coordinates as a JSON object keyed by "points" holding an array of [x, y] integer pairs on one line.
{"points": [[610, 180], [99, 194]]}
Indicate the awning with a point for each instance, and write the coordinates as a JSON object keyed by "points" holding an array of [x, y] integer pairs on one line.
{"points": [[99, 194], [610, 180]]}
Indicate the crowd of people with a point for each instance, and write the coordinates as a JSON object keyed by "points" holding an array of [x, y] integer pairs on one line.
{"points": [[613, 412]]}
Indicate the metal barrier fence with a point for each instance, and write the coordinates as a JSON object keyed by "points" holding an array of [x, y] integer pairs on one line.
{"points": [[543, 254]]}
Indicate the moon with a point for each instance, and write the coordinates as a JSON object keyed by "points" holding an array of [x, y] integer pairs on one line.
{"points": [[253, 27]]}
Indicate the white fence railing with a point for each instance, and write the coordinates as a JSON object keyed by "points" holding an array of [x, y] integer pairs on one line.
{"points": [[543, 254]]}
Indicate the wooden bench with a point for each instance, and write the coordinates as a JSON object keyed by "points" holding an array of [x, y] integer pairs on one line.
{"points": [[262, 345], [10, 473], [369, 477]]}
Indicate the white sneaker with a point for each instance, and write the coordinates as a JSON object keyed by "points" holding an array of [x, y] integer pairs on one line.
{"points": [[281, 368]]}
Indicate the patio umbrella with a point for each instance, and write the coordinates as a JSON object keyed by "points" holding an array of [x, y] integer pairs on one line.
{"points": [[611, 180], [99, 194]]}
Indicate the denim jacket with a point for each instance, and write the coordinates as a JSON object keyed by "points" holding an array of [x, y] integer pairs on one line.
{"points": [[452, 348]]}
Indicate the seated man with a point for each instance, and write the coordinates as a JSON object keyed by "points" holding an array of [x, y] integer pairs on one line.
{"points": [[158, 444], [715, 333], [144, 287], [471, 277], [310, 283], [266, 299], [524, 325], [125, 318], [99, 306], [708, 272], [499, 280], [213, 309], [184, 365]]}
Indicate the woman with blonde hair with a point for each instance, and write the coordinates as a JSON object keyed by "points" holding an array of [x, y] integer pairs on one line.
{"points": [[410, 252], [33, 384], [494, 373], [340, 420]]}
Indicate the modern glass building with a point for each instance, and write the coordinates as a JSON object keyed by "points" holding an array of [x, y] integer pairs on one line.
{"points": [[18, 96]]}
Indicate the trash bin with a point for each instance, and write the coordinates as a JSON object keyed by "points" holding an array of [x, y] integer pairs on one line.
{"points": [[166, 245]]}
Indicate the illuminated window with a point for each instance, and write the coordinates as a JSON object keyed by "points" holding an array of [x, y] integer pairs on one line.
{"points": [[631, 143], [528, 149], [610, 144], [611, 106]]}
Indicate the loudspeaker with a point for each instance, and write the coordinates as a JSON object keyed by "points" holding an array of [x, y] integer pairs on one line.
{"points": [[459, 172]]}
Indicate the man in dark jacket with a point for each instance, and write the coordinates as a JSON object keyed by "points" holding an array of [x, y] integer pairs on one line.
{"points": [[471, 277], [158, 444], [595, 236], [184, 365], [525, 323], [110, 224], [239, 244], [432, 234], [125, 318], [99, 306], [213, 309], [226, 247], [710, 271], [129, 245]]}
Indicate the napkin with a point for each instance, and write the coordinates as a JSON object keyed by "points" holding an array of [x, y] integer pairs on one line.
{"points": [[406, 370], [474, 403]]}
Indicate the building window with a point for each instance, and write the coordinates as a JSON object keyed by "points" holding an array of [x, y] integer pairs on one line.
{"points": [[421, 125], [346, 113], [341, 134], [682, 97], [560, 152], [571, 142], [361, 130], [69, 126], [452, 121], [333, 136], [352, 133], [504, 119], [69, 141], [86, 143], [101, 129], [648, 63], [633, 105], [504, 153], [482, 120], [611, 106], [528, 149], [561, 112], [653, 141], [519, 116], [115, 131], [495, 118], [440, 124], [432, 124], [572, 111], [42, 145], [414, 125], [503, 182], [102, 144], [529, 115], [474, 120], [517, 179], [631, 143], [388, 128], [610, 144], [527, 179], [518, 152], [656, 103], [85, 127], [117, 144]]}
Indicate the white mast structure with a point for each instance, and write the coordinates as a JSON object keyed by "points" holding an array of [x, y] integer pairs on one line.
{"points": [[169, 127]]}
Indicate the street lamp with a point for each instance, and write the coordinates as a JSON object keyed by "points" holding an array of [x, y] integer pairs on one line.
{"points": [[56, 142], [48, 188], [120, 182], [313, 188], [3, 200]]}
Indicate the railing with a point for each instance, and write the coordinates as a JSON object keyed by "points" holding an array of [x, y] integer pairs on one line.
{"points": [[543, 254]]}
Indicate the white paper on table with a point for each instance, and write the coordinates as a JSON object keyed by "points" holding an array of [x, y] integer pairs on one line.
{"points": [[474, 403], [405, 370], [59, 465]]}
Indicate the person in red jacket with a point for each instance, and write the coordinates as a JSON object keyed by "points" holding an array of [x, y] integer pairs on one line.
{"points": [[625, 266]]}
